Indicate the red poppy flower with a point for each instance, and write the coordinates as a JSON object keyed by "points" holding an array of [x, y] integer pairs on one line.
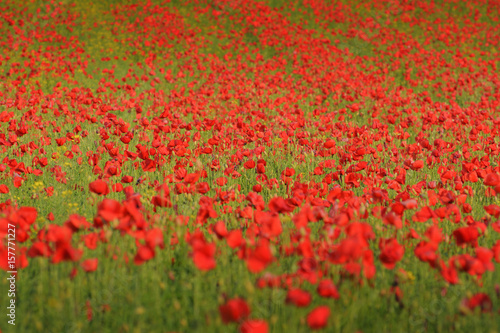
{"points": [[127, 179], [326, 288], [144, 253], [426, 251], [160, 201], [417, 165], [466, 236], [90, 265], [4, 189], [154, 238], [64, 252], [250, 164], [410, 204], [234, 310], [329, 144], [289, 172], [279, 205], [26, 217], [221, 181], [203, 256], [118, 187], [393, 219], [234, 239], [298, 297], [254, 326], [318, 318], [99, 187], [478, 300], [191, 178], [220, 229], [202, 188], [90, 241], [493, 210], [260, 257], [392, 252], [496, 251], [492, 179], [257, 188], [424, 214], [76, 222], [261, 168], [39, 249], [109, 209]]}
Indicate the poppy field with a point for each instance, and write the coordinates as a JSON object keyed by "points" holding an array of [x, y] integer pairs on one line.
{"points": [[250, 166]]}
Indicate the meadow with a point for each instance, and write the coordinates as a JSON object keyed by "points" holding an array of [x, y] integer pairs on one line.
{"points": [[250, 166]]}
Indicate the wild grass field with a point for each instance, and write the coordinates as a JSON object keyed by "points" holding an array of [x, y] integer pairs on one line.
{"points": [[250, 166]]}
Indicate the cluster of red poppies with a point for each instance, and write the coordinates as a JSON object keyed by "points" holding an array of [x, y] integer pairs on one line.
{"points": [[323, 144]]}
